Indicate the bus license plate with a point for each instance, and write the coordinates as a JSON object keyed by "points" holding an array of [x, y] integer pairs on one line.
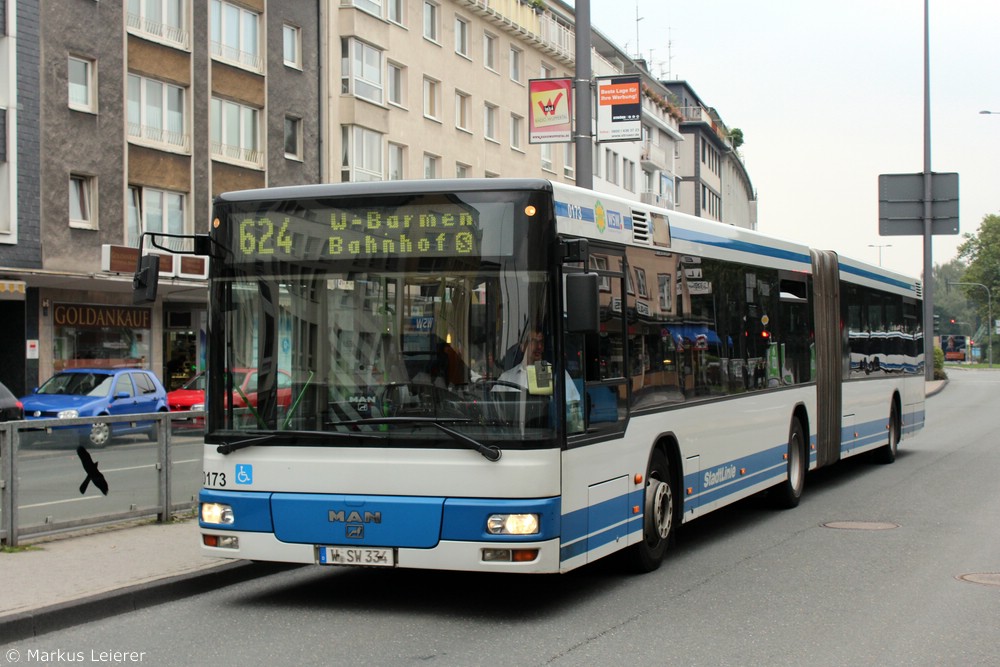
{"points": [[356, 556]]}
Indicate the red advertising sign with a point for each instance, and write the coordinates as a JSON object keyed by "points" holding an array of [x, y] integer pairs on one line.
{"points": [[550, 111]]}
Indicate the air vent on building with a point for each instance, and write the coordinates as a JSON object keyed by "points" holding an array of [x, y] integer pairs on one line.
{"points": [[640, 227]]}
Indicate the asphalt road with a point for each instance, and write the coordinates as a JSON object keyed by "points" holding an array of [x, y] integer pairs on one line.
{"points": [[747, 585]]}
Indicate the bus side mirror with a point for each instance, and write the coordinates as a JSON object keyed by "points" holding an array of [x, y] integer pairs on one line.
{"points": [[583, 310], [146, 279]]}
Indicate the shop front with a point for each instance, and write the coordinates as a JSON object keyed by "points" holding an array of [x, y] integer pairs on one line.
{"points": [[100, 336]]}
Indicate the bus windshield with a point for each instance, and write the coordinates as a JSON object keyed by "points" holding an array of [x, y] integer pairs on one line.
{"points": [[390, 345]]}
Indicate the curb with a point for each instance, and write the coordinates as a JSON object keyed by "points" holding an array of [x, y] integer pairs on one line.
{"points": [[29, 624], [938, 389]]}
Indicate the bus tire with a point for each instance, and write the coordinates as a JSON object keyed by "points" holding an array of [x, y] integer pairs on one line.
{"points": [[788, 492], [887, 452], [658, 516]]}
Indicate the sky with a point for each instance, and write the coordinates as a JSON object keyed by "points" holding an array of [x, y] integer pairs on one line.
{"points": [[830, 95]]}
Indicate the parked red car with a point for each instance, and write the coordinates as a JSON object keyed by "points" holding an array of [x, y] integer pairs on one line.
{"points": [[192, 395]]}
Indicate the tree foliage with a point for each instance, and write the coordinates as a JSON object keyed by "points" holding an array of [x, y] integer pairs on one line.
{"points": [[981, 252], [951, 303], [736, 137]]}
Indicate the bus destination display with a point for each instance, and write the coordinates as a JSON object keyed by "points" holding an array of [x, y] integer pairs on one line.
{"points": [[331, 233]]}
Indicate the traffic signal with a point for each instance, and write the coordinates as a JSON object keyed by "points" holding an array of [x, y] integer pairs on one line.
{"points": [[937, 324], [952, 320]]}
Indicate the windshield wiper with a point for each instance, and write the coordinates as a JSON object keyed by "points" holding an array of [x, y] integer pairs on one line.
{"points": [[230, 447], [489, 452]]}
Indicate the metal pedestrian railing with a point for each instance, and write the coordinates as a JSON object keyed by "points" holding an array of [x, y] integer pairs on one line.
{"points": [[55, 479]]}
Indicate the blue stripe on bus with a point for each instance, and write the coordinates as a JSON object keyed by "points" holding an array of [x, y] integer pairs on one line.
{"points": [[864, 273], [586, 214], [768, 251], [740, 246], [759, 467]]}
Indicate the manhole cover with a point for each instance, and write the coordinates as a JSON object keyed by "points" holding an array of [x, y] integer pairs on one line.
{"points": [[984, 578], [861, 525]]}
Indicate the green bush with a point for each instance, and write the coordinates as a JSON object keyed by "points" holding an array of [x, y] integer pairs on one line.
{"points": [[939, 373]]}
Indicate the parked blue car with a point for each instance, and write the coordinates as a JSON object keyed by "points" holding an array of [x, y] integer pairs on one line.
{"points": [[91, 392]]}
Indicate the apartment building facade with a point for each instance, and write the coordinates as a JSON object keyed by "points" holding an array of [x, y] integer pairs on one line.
{"points": [[713, 182], [145, 112], [129, 117]]}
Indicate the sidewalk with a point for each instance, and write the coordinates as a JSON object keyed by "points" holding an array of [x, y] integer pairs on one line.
{"points": [[68, 580]]}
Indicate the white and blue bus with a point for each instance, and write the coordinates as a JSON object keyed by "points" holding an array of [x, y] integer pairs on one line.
{"points": [[522, 376]]}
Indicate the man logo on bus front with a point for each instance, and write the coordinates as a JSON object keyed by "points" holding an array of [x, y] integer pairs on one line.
{"points": [[356, 531]]}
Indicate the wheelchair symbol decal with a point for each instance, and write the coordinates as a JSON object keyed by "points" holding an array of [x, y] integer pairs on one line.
{"points": [[244, 473]]}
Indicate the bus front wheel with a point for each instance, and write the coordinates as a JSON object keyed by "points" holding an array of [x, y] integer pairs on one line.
{"points": [[887, 452], [658, 516]]}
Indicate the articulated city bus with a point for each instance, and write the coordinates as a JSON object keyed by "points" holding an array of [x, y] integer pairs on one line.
{"points": [[522, 376]]}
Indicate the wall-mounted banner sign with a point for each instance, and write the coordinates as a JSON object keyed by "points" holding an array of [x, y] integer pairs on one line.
{"points": [[550, 111], [619, 109]]}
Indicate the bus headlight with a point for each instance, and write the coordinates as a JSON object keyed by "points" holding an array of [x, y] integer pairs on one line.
{"points": [[216, 513], [512, 524]]}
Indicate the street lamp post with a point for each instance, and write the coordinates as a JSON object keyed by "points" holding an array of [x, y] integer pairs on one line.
{"points": [[880, 246], [989, 309]]}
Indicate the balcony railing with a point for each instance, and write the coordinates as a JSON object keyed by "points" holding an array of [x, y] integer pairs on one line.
{"points": [[249, 157], [160, 137], [157, 30], [521, 18], [654, 156], [243, 59]]}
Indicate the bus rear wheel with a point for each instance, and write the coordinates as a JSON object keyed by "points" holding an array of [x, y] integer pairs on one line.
{"points": [[658, 517]]}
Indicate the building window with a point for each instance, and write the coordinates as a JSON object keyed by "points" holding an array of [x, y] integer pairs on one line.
{"points": [[546, 150], [628, 174], [81, 84], [516, 130], [546, 71], [81, 202], [234, 133], [292, 49], [431, 20], [361, 154], [361, 70], [491, 174], [461, 37], [162, 21], [397, 157], [370, 6], [395, 11], [461, 170], [600, 262], [516, 55], [234, 35], [153, 210], [611, 167], [490, 121], [463, 110], [640, 280], [293, 138], [569, 160], [396, 84], [663, 288], [156, 113], [430, 165], [490, 51], [432, 98]]}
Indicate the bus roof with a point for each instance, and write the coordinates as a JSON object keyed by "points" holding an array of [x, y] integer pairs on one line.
{"points": [[426, 186]]}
